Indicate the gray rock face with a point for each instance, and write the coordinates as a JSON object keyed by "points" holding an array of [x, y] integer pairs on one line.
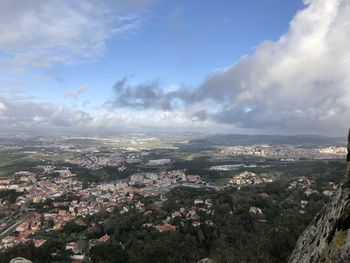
{"points": [[348, 160], [327, 238]]}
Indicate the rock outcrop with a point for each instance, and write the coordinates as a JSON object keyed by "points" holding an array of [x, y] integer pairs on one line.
{"points": [[327, 238]]}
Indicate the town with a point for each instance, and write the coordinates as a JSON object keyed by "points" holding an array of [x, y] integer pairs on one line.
{"points": [[73, 191], [287, 152]]}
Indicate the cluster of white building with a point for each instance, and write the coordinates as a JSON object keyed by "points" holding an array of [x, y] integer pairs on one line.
{"points": [[249, 178], [287, 152]]}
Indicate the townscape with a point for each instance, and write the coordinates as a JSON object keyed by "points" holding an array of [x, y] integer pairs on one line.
{"points": [[88, 182], [287, 152]]}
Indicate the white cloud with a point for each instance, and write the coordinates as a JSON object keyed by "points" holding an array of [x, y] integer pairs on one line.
{"points": [[75, 93], [2, 107], [300, 82], [42, 33]]}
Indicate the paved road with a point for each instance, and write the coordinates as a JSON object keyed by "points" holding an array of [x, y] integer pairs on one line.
{"points": [[191, 185], [11, 227], [19, 219]]}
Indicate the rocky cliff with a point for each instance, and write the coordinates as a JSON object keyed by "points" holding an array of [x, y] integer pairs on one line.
{"points": [[327, 238]]}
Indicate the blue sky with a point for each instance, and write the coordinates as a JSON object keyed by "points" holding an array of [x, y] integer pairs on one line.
{"points": [[178, 42], [219, 65]]}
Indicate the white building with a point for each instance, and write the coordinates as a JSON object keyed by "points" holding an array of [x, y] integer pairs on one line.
{"points": [[159, 162], [137, 178], [152, 176]]}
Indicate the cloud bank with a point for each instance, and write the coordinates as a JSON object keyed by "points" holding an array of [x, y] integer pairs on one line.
{"points": [[16, 114], [300, 82]]}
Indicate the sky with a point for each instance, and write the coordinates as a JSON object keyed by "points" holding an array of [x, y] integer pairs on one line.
{"points": [[223, 66]]}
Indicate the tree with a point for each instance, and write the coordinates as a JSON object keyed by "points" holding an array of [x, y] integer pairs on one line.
{"points": [[108, 253]]}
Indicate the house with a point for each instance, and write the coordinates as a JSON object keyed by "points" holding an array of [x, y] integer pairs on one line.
{"points": [[328, 193], [194, 178], [77, 258], [208, 202], [58, 226], [152, 176], [310, 191], [137, 178], [209, 222], [255, 210], [7, 242], [22, 227], [198, 201], [176, 214], [147, 225], [25, 234], [159, 162], [165, 227], [193, 215], [303, 203], [62, 212], [39, 242], [148, 212], [80, 222], [104, 238], [72, 246], [196, 223]]}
